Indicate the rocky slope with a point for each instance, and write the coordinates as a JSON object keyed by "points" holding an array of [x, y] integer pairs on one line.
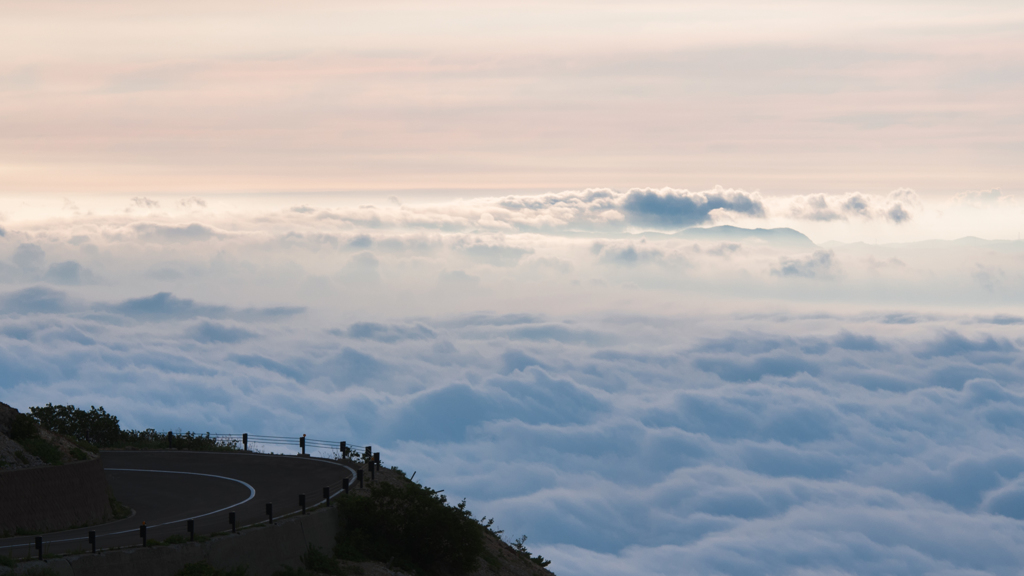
{"points": [[25, 444]]}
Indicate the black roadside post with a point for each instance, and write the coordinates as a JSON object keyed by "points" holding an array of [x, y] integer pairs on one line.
{"points": [[344, 450], [170, 439], [142, 533], [92, 540], [302, 502], [39, 546], [302, 444], [270, 512], [231, 519], [368, 453], [376, 460], [327, 495], [191, 527], [245, 442], [359, 477], [344, 485]]}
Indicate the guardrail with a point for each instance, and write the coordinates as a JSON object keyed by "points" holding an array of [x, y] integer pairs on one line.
{"points": [[300, 442], [365, 454], [342, 448]]}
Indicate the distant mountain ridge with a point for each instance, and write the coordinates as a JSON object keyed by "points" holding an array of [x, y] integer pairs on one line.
{"points": [[779, 236]]}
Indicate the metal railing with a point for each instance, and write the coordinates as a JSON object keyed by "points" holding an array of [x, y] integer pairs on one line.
{"points": [[254, 442]]}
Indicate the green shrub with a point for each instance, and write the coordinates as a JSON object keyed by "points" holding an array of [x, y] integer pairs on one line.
{"points": [[45, 451], [78, 454], [8, 561], [412, 527], [317, 561], [520, 546], [204, 569], [120, 510], [83, 444], [175, 539], [25, 430], [289, 571], [39, 571], [23, 427], [151, 439], [95, 426], [304, 571]]}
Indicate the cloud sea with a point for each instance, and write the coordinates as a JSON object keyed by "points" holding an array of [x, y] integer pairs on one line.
{"points": [[655, 381]]}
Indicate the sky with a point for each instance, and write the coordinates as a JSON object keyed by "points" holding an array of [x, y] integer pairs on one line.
{"points": [[715, 288], [783, 97]]}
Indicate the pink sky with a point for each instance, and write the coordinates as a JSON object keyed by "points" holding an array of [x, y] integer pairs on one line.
{"points": [[784, 97]]}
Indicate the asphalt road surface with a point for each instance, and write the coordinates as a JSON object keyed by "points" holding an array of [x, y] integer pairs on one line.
{"points": [[167, 488]]}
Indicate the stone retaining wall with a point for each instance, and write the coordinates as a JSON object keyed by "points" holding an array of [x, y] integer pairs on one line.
{"points": [[49, 498], [263, 550]]}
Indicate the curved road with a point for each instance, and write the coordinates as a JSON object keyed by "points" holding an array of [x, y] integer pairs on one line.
{"points": [[165, 489]]}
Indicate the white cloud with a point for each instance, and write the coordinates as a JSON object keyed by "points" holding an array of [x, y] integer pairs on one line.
{"points": [[142, 203], [982, 198], [897, 207], [733, 445], [634, 400], [821, 264], [192, 203]]}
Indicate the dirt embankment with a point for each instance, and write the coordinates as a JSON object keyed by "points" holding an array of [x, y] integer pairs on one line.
{"points": [[25, 444]]}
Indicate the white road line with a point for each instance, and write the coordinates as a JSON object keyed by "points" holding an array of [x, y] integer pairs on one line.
{"points": [[293, 513], [333, 463], [303, 458], [252, 494]]}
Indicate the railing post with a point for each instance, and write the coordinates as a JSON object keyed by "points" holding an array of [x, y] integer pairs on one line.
{"points": [[142, 533], [327, 495], [344, 485], [376, 460], [270, 512], [231, 519], [170, 440], [92, 540], [302, 444], [344, 450], [302, 502], [191, 527], [245, 442], [39, 546]]}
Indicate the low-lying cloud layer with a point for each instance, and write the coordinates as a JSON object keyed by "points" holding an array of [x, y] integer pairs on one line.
{"points": [[620, 444], [605, 209], [634, 394]]}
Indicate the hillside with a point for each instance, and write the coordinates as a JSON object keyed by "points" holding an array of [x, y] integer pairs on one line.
{"points": [[496, 558], [391, 526], [26, 444], [785, 237]]}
